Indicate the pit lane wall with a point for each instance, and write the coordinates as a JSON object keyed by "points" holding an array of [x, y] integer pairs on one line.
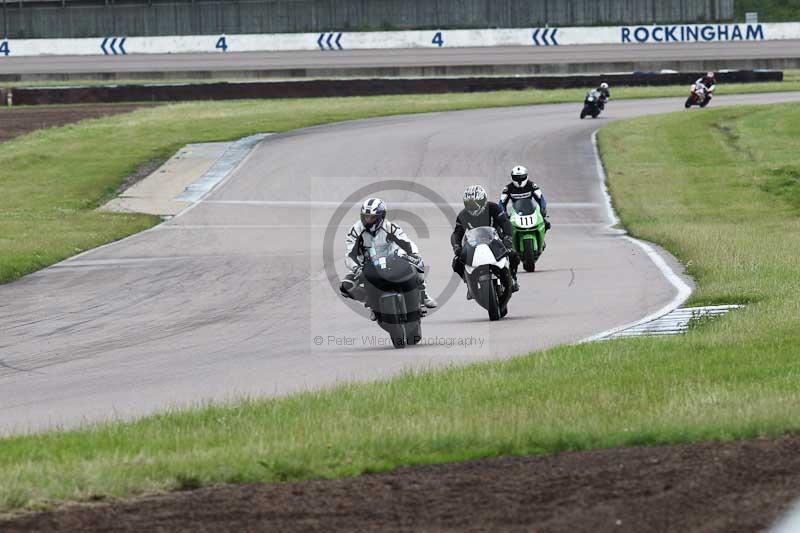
{"points": [[336, 41]]}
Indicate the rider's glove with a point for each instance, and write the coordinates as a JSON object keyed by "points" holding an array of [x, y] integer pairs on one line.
{"points": [[414, 260], [457, 249], [507, 242]]}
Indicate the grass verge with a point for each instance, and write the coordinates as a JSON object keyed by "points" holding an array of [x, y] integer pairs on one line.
{"points": [[53, 180], [719, 188]]}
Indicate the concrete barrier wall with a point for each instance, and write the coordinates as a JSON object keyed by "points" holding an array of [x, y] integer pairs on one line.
{"points": [[98, 18], [335, 41], [359, 87]]}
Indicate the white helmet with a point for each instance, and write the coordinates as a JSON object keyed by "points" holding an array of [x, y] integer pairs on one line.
{"points": [[373, 213], [475, 199], [604, 85], [520, 175]]}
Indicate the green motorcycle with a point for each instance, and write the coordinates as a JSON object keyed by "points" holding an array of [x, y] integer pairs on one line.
{"points": [[528, 235]]}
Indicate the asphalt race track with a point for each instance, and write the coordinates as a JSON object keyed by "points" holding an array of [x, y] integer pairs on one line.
{"points": [[231, 297], [242, 61]]}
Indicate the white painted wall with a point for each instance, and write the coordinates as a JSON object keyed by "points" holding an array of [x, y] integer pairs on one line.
{"points": [[407, 39]]}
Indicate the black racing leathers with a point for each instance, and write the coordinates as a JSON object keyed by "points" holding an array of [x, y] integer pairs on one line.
{"points": [[494, 216], [605, 96]]}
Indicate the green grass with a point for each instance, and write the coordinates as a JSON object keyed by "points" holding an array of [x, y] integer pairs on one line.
{"points": [[715, 187], [53, 180]]}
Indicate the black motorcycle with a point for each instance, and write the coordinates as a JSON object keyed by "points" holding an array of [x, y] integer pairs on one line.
{"points": [[392, 283], [592, 105]]}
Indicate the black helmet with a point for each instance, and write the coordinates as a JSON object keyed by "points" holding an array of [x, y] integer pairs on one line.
{"points": [[373, 213], [474, 200]]}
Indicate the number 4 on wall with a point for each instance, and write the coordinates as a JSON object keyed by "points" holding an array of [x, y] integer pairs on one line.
{"points": [[4, 48], [437, 39], [222, 44]]}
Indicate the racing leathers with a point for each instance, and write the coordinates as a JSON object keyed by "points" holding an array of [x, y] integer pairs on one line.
{"points": [[491, 216], [359, 240], [513, 192]]}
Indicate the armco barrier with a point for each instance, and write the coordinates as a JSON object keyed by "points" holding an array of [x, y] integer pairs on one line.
{"points": [[333, 42], [357, 87]]}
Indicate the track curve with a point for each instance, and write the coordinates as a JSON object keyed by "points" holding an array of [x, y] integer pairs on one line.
{"points": [[227, 299]]}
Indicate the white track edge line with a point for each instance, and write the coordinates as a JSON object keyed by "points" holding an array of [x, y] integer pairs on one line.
{"points": [[684, 290]]}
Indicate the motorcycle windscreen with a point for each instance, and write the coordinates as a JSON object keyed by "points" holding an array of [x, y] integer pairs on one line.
{"points": [[483, 235], [388, 271], [524, 206]]}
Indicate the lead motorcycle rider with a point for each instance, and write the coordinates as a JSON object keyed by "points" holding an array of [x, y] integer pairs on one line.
{"points": [[479, 212], [521, 187], [374, 229]]}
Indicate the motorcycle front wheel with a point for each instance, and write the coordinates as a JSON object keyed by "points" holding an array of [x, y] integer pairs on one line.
{"points": [[489, 297], [528, 256], [413, 333]]}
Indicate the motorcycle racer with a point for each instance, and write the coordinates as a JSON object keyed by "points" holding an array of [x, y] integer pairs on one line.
{"points": [[605, 94], [478, 212], [710, 83], [373, 229], [521, 187]]}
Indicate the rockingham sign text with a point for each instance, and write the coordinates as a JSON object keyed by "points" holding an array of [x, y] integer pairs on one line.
{"points": [[692, 33]]}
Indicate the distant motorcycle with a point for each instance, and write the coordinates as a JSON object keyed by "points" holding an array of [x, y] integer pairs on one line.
{"points": [[393, 293], [527, 223], [487, 270], [697, 96], [591, 104]]}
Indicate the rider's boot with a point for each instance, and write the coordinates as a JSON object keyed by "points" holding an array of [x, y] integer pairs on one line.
{"points": [[428, 300]]}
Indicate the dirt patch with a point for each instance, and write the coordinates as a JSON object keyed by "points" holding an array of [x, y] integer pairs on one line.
{"points": [[19, 121], [730, 487]]}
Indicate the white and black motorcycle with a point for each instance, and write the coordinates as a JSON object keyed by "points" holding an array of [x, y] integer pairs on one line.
{"points": [[487, 270], [393, 292], [697, 96]]}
